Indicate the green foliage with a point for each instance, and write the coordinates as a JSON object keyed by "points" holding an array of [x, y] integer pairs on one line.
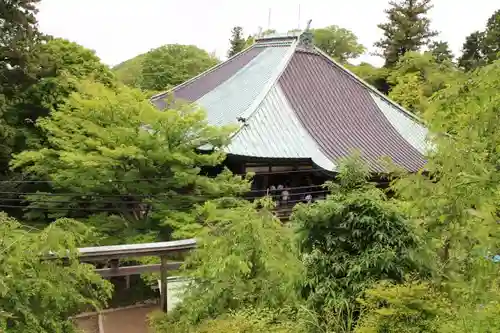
{"points": [[408, 92], [245, 258], [163, 68], [413, 307], [491, 42], [407, 29], [377, 77], [237, 41], [441, 51], [472, 53], [59, 64], [38, 296], [417, 76], [353, 239], [18, 35], [268, 32], [114, 143], [249, 41], [245, 321], [456, 202], [427, 306], [129, 71], [339, 43], [482, 47], [7, 135], [171, 65]]}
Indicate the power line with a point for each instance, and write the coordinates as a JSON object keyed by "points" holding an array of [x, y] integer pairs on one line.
{"points": [[138, 195], [72, 201], [71, 209], [148, 205], [117, 202], [161, 178]]}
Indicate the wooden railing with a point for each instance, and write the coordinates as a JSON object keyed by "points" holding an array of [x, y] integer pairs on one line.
{"points": [[114, 253]]}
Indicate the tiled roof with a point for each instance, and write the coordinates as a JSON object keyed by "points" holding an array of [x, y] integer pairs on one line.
{"points": [[195, 88], [274, 131], [341, 114], [296, 103], [231, 99]]}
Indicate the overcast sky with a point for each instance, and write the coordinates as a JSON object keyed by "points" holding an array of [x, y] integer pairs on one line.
{"points": [[121, 29]]}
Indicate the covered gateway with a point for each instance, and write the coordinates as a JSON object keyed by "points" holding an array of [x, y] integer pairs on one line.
{"points": [[294, 103]]}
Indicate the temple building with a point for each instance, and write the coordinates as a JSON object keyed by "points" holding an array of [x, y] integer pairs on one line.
{"points": [[298, 109]]}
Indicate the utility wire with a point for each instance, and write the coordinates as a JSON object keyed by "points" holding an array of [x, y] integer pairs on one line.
{"points": [[149, 206], [158, 179], [71, 209], [140, 202], [141, 195]]}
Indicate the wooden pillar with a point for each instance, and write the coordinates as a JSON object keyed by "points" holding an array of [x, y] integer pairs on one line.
{"points": [[163, 284], [127, 282]]}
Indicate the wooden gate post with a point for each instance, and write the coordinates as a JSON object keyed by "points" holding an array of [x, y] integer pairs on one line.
{"points": [[163, 284]]}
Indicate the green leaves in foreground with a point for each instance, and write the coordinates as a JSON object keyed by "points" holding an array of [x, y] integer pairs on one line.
{"points": [[245, 259], [352, 239], [113, 151], [38, 296]]}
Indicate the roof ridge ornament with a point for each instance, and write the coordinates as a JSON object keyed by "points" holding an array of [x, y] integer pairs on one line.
{"points": [[306, 37]]}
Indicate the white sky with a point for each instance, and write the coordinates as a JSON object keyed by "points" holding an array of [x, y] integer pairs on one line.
{"points": [[121, 29]]}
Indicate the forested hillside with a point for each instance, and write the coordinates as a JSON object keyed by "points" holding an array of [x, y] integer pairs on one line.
{"points": [[86, 159]]}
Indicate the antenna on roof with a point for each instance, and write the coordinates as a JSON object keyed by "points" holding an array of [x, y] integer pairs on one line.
{"points": [[298, 21], [269, 20]]}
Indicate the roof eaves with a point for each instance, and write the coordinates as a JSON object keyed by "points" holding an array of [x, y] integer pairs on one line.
{"points": [[210, 70], [369, 86]]}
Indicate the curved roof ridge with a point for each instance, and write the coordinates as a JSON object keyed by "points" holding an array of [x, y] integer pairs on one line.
{"points": [[369, 86], [247, 114], [210, 70]]}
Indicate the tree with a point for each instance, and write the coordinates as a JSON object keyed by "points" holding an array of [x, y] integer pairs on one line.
{"points": [[411, 307], [407, 29], [249, 41], [53, 69], [456, 200], [416, 77], [455, 204], [472, 52], [18, 35], [491, 41], [339, 43], [268, 32], [245, 258], [237, 41], [129, 71], [352, 240], [482, 47], [59, 64], [111, 150], [441, 51], [171, 65], [375, 76], [7, 135], [39, 296]]}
